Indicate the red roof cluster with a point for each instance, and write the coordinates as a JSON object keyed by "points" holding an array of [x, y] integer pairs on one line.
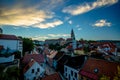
{"points": [[8, 37], [94, 68], [37, 57], [54, 76]]}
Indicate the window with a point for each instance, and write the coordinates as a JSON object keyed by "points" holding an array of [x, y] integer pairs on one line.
{"points": [[81, 78], [38, 70], [75, 74], [96, 70], [32, 70], [65, 69], [72, 73], [34, 78]]}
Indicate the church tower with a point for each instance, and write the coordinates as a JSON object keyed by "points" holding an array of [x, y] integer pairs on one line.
{"points": [[73, 39]]}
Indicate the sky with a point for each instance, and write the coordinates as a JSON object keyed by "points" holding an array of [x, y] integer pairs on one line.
{"points": [[52, 19]]}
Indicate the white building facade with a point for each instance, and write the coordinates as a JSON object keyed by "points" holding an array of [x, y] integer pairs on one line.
{"points": [[70, 73], [34, 71], [12, 42]]}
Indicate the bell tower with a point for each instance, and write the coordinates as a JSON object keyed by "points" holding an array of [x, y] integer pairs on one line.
{"points": [[73, 39]]}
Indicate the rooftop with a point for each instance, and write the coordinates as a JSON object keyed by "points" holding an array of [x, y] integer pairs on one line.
{"points": [[94, 68], [54, 76], [37, 57], [76, 62], [8, 37]]}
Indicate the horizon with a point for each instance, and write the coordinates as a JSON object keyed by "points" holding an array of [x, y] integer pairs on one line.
{"points": [[53, 19]]}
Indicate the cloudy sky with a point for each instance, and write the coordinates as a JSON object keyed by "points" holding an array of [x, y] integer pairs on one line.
{"points": [[46, 19]]}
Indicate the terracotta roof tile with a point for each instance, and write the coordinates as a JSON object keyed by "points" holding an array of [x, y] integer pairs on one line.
{"points": [[37, 57], [8, 37], [54, 76], [104, 67]]}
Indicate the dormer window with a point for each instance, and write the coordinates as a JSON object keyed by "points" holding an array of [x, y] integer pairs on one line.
{"points": [[96, 70]]}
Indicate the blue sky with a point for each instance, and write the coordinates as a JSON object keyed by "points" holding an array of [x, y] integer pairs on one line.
{"points": [[50, 19]]}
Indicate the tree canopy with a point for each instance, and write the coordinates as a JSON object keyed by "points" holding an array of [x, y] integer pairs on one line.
{"points": [[27, 45]]}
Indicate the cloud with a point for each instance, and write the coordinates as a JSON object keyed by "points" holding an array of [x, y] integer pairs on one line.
{"points": [[58, 35], [79, 29], [101, 23], [25, 16], [78, 26], [50, 36], [83, 8], [40, 38], [49, 24], [70, 22]]}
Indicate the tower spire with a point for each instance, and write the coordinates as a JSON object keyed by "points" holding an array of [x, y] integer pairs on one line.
{"points": [[73, 39], [72, 35]]}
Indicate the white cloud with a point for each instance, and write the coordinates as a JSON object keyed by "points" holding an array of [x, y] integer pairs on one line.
{"points": [[58, 35], [22, 15], [40, 38], [70, 22], [79, 29], [78, 26], [49, 24], [82, 8], [102, 23], [50, 36], [67, 18]]}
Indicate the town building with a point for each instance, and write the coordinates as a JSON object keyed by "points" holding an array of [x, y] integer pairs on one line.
{"points": [[59, 41], [73, 66], [12, 42], [39, 58], [33, 71]]}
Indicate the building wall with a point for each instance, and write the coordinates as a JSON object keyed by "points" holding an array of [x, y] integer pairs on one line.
{"points": [[7, 59], [70, 73], [30, 76], [12, 44]]}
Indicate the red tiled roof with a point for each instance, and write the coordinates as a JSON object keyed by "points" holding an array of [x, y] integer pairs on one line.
{"points": [[8, 37], [28, 65], [37, 57], [104, 68], [54, 76]]}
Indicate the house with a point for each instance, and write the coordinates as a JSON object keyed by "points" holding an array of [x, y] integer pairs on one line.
{"points": [[33, 70], [61, 62], [59, 41], [12, 42], [55, 76], [68, 40], [72, 67], [51, 41], [57, 57], [93, 69], [79, 51], [39, 58], [50, 57]]}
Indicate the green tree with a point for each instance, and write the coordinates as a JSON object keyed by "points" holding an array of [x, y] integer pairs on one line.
{"points": [[27, 45]]}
